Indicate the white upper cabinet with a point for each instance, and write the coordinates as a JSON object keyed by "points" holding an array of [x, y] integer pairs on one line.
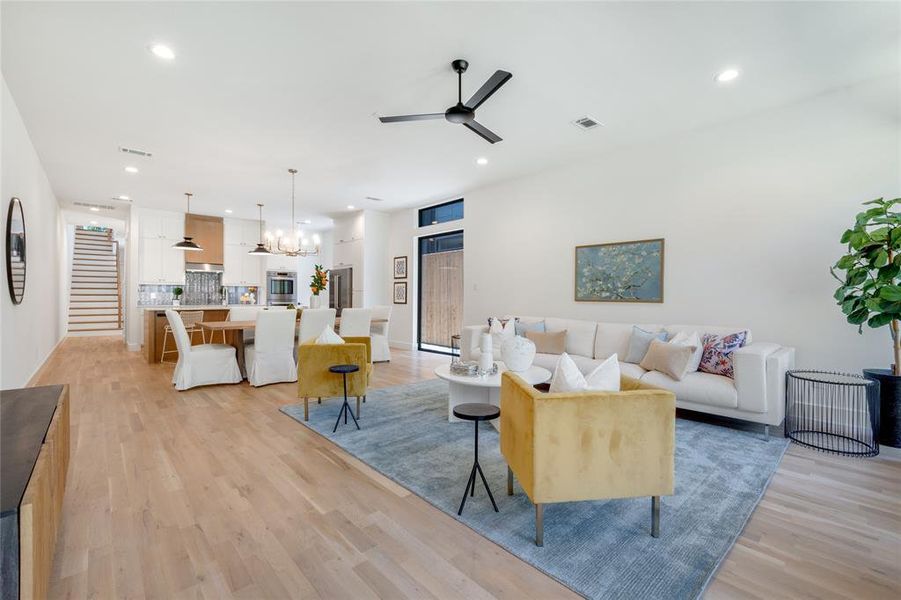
{"points": [[159, 262], [241, 268]]}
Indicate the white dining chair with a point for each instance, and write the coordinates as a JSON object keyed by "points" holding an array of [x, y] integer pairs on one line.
{"points": [[191, 320], [378, 334], [270, 359], [313, 321], [204, 364], [355, 322], [245, 313]]}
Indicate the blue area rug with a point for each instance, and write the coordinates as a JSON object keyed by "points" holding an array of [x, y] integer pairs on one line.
{"points": [[599, 549]]}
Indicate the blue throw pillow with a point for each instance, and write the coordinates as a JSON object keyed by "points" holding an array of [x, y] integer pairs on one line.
{"points": [[640, 342], [522, 328]]}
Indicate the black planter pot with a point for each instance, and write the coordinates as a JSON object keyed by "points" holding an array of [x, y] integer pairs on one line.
{"points": [[890, 403]]}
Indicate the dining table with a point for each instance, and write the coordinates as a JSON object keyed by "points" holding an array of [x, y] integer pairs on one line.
{"points": [[237, 329]]}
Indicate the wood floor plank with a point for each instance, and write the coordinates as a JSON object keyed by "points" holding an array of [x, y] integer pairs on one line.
{"points": [[213, 493]]}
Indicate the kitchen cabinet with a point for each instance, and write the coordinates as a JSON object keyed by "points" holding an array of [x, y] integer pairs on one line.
{"points": [[239, 267], [160, 263]]}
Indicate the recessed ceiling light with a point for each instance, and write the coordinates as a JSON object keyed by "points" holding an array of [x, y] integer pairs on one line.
{"points": [[95, 209], [162, 51], [350, 207], [228, 211], [307, 221], [726, 76], [131, 169], [93, 222], [123, 197], [481, 160]]}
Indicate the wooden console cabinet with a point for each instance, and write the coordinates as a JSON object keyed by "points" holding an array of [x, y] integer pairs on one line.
{"points": [[34, 435]]}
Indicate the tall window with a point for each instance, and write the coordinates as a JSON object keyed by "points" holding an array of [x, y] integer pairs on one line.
{"points": [[441, 213], [440, 290]]}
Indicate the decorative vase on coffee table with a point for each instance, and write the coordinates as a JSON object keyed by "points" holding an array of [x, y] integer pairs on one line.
{"points": [[486, 356], [518, 353]]}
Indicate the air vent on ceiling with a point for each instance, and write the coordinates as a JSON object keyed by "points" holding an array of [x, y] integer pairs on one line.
{"points": [[94, 205], [374, 199], [586, 123], [135, 152]]}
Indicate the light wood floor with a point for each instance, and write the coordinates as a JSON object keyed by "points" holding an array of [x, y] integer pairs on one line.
{"points": [[213, 493]]}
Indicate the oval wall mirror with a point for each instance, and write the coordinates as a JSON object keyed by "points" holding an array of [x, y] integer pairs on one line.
{"points": [[15, 250]]}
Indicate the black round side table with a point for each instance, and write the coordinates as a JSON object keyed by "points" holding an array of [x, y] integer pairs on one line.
{"points": [[476, 412], [345, 408], [832, 412]]}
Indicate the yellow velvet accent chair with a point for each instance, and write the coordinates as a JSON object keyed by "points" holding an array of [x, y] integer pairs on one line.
{"points": [[314, 380], [589, 445]]}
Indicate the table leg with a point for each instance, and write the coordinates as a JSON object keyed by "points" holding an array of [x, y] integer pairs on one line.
{"points": [[238, 343]]}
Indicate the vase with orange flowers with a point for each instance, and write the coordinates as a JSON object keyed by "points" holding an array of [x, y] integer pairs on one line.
{"points": [[317, 284]]}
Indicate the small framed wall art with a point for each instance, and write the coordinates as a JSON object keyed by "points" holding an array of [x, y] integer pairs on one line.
{"points": [[400, 292], [620, 272], [400, 267]]}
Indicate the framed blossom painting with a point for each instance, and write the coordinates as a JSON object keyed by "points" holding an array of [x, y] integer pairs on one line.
{"points": [[620, 272]]}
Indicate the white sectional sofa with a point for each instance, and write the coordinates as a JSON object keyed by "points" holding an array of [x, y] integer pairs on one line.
{"points": [[756, 394]]}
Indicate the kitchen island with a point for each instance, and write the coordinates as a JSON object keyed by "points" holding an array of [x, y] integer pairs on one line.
{"points": [[155, 321]]}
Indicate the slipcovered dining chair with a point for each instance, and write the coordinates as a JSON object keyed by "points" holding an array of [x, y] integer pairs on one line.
{"points": [[204, 364], [379, 333], [244, 313], [313, 321], [270, 359], [355, 322]]}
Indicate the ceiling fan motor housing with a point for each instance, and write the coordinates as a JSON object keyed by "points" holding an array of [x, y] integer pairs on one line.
{"points": [[459, 114]]}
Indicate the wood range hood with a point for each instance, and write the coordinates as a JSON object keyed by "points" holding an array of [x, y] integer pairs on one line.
{"points": [[208, 233]]}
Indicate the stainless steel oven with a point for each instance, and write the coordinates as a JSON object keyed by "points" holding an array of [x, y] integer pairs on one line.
{"points": [[281, 287]]}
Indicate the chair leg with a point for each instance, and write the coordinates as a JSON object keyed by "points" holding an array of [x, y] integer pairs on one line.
{"points": [[509, 481], [306, 409], [655, 516], [164, 352], [766, 433], [358, 407], [539, 524], [364, 397], [203, 335], [319, 401]]}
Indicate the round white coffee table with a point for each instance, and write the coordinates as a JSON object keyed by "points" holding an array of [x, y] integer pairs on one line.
{"points": [[487, 389]]}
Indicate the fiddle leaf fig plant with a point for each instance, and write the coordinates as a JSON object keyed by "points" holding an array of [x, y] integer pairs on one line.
{"points": [[868, 273]]}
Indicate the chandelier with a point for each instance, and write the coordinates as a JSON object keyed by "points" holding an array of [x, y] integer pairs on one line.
{"points": [[295, 243]]}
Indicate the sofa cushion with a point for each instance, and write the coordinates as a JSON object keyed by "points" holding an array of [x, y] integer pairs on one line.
{"points": [[714, 329], [640, 341], [672, 359], [552, 342], [579, 334], [717, 358], [631, 370], [613, 338], [522, 327], [604, 377], [702, 388]]}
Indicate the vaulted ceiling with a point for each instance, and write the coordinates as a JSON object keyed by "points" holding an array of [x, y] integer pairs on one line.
{"points": [[256, 88]]}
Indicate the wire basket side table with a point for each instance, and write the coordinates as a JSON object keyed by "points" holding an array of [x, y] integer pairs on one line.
{"points": [[832, 412]]}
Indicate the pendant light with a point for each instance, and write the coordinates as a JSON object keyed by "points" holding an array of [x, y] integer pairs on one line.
{"points": [[188, 243], [261, 249]]}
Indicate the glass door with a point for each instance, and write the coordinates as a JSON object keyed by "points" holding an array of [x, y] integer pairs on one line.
{"points": [[440, 290]]}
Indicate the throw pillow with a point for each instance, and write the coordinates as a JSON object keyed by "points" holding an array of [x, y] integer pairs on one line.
{"points": [[640, 342], [567, 376], [690, 339], [718, 351], [522, 328], [671, 359], [328, 336], [552, 342], [604, 377], [500, 333]]}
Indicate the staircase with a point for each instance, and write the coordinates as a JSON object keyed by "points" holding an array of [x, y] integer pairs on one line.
{"points": [[95, 301]]}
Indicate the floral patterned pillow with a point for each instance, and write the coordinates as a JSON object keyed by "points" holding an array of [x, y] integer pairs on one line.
{"points": [[718, 349]]}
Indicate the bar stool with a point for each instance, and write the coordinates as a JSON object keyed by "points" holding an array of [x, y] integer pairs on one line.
{"points": [[191, 319]]}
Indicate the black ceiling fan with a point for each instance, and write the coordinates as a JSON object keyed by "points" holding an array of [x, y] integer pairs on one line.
{"points": [[464, 114]]}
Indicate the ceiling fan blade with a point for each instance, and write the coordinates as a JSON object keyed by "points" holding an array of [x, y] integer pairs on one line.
{"points": [[401, 118], [493, 84], [483, 131]]}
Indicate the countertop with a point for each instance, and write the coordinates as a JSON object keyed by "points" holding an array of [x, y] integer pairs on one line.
{"points": [[163, 307]]}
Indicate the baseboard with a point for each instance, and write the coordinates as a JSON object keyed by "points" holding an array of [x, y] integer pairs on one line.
{"points": [[39, 370], [400, 345]]}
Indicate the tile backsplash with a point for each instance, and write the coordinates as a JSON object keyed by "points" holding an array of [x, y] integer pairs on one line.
{"points": [[200, 288]]}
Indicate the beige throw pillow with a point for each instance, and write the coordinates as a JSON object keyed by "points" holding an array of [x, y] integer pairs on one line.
{"points": [[672, 359], [552, 342]]}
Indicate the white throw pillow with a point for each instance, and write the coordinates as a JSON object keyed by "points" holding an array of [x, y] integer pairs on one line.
{"points": [[501, 333], [328, 336], [567, 376], [690, 339], [604, 377]]}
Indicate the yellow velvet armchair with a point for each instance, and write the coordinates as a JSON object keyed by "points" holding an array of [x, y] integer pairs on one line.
{"points": [[314, 379], [565, 447]]}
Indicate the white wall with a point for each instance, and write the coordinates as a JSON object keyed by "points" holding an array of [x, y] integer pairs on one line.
{"points": [[404, 234], [751, 212], [31, 329], [375, 253]]}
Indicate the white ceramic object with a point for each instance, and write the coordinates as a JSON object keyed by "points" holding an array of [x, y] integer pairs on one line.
{"points": [[486, 353], [315, 301], [518, 353]]}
